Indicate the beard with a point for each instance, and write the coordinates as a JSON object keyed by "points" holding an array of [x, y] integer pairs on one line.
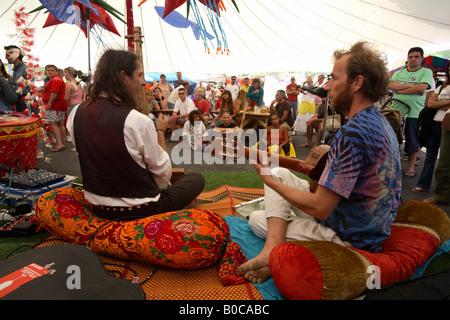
{"points": [[343, 100]]}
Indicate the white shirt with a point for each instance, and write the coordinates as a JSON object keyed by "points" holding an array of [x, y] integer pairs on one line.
{"points": [[444, 95], [185, 106], [234, 89], [141, 141], [194, 133], [174, 97]]}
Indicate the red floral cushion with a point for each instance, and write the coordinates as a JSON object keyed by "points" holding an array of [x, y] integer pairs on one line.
{"points": [[182, 239], [324, 270]]}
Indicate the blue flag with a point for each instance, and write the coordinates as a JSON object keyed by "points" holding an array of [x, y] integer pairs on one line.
{"points": [[65, 10]]}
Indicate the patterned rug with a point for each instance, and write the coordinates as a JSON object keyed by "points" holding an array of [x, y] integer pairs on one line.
{"points": [[162, 283]]}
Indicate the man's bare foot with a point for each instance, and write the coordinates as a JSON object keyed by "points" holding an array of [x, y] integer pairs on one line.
{"points": [[256, 269]]}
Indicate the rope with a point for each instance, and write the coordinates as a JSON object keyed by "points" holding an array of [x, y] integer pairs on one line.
{"points": [[408, 15], [378, 25], [282, 38], [164, 39], [350, 30], [187, 47], [306, 23], [145, 42], [7, 9]]}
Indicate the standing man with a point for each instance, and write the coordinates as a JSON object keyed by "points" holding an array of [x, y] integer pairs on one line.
{"points": [[292, 97], [174, 96], [358, 194], [14, 55], [320, 80], [179, 80], [233, 88], [246, 84], [123, 158], [409, 85], [165, 87]]}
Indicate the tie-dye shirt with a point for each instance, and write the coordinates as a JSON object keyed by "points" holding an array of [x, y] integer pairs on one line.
{"points": [[364, 168]]}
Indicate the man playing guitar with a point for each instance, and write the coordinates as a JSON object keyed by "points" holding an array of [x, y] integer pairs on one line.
{"points": [[359, 191]]}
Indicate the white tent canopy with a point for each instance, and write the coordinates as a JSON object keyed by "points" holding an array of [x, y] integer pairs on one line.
{"points": [[265, 36]]}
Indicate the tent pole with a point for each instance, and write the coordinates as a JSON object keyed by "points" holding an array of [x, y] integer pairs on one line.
{"points": [[138, 46], [130, 25], [88, 31]]}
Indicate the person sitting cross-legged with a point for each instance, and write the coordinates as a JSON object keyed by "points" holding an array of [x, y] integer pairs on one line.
{"points": [[275, 138], [358, 194]]}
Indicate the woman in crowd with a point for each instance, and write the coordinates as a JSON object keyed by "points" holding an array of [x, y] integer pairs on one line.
{"points": [[442, 173], [159, 98], [7, 94], [209, 94], [439, 100], [240, 103], [193, 131], [275, 138], [74, 89], [3, 72], [226, 104], [255, 93]]}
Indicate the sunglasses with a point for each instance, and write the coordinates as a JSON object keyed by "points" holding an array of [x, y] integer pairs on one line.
{"points": [[181, 93]]}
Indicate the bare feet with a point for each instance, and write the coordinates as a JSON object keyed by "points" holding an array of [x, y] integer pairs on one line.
{"points": [[257, 269], [58, 148]]}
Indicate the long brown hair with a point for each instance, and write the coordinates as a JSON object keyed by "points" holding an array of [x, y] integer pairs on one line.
{"points": [[226, 104], [107, 79], [242, 96]]}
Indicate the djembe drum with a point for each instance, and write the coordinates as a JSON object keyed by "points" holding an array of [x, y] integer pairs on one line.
{"points": [[18, 141]]}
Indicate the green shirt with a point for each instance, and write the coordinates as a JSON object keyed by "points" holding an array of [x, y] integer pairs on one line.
{"points": [[415, 101]]}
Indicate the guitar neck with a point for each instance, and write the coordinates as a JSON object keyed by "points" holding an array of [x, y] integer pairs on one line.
{"points": [[313, 166], [284, 162]]}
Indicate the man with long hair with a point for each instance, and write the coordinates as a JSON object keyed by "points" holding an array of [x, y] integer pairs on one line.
{"points": [[358, 194], [123, 157]]}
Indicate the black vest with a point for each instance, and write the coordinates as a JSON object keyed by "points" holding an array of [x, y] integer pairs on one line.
{"points": [[106, 166]]}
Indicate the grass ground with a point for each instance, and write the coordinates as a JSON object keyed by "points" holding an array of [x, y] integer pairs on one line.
{"points": [[14, 245]]}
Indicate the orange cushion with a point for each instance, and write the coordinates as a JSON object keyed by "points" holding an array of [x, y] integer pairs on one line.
{"points": [[182, 239], [324, 270]]}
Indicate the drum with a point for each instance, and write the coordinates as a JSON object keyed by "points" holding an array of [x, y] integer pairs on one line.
{"points": [[18, 141]]}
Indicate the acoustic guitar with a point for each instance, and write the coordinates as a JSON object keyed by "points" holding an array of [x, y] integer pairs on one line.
{"points": [[312, 167]]}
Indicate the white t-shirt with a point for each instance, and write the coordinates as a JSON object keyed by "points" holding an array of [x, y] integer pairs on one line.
{"points": [[194, 133], [234, 89], [173, 97], [444, 95], [185, 106]]}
